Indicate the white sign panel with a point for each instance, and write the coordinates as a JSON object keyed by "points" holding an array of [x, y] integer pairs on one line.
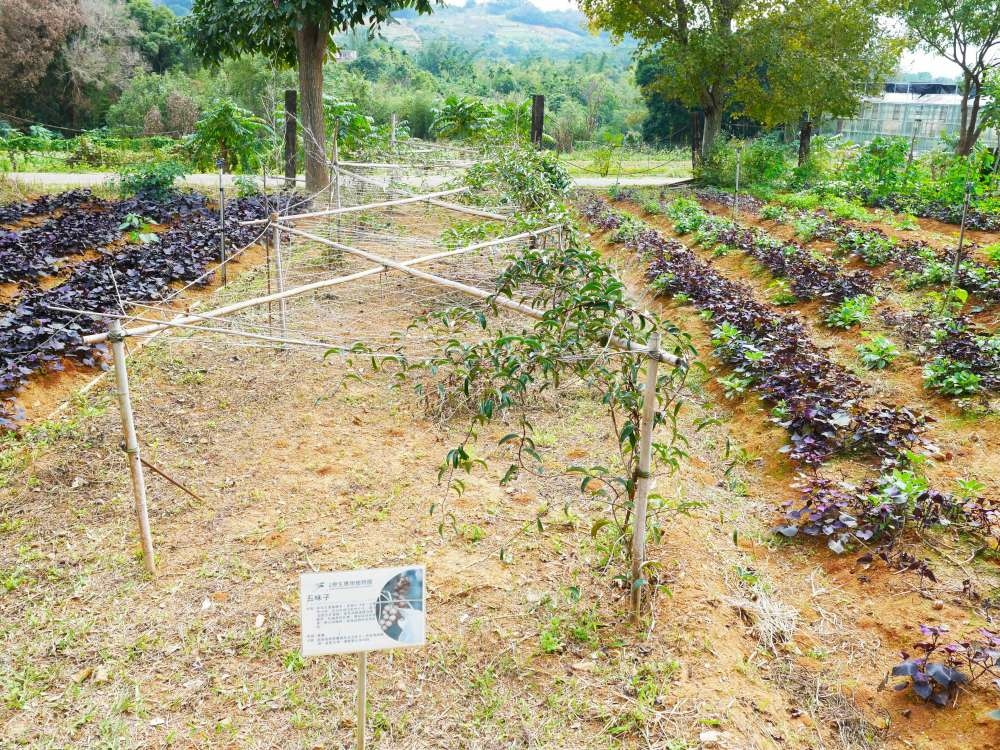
{"points": [[362, 610]]}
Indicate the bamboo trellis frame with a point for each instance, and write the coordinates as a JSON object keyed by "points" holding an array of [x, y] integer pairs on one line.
{"points": [[381, 264]]}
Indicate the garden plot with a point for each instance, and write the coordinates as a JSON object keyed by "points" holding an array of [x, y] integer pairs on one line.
{"points": [[298, 461], [954, 569], [311, 436]]}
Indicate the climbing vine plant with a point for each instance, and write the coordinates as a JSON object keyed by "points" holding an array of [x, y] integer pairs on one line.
{"points": [[499, 373]]}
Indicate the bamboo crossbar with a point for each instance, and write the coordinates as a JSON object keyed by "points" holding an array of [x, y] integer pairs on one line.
{"points": [[433, 201], [362, 207], [498, 299], [316, 285], [457, 164]]}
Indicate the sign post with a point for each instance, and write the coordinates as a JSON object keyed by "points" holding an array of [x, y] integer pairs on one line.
{"points": [[358, 611], [362, 698]]}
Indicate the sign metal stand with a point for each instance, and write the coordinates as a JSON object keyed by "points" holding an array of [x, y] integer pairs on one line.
{"points": [[362, 698]]}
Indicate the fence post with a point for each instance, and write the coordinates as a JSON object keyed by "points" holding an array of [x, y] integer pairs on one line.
{"points": [[335, 184], [268, 242], [362, 699], [279, 275], [392, 133], [117, 340], [291, 139], [223, 257], [736, 191], [644, 477], [537, 119]]}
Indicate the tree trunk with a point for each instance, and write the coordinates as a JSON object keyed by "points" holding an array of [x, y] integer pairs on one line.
{"points": [[963, 147], [713, 126], [311, 43], [805, 139], [697, 133]]}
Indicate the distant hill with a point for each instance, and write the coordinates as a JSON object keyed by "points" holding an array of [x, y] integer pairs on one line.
{"points": [[512, 29]]}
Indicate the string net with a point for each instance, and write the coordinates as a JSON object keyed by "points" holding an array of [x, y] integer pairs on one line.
{"points": [[373, 312]]}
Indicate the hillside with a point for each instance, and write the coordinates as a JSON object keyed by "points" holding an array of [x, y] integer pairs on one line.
{"points": [[513, 29]]}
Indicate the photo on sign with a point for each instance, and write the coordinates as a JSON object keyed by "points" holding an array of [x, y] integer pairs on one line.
{"points": [[400, 607]]}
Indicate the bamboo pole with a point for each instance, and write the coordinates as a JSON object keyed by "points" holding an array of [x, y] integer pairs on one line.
{"points": [[644, 477], [314, 286], [222, 228], [433, 201], [117, 339], [497, 299], [279, 276], [225, 331], [363, 207], [957, 264]]}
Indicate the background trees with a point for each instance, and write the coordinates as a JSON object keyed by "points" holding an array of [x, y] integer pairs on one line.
{"points": [[698, 48], [293, 32], [815, 58], [966, 32], [32, 32], [768, 59]]}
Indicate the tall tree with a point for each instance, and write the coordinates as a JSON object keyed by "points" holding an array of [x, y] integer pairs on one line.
{"points": [[293, 32], [966, 32], [698, 46], [32, 32], [709, 52], [101, 58], [802, 79]]}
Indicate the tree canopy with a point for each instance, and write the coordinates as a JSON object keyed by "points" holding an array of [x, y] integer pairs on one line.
{"points": [[966, 32], [291, 32], [232, 28], [758, 56]]}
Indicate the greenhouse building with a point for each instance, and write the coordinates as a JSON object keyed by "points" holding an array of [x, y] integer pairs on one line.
{"points": [[924, 112]]}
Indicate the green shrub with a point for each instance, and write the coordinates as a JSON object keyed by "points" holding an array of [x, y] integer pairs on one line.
{"points": [[686, 214], [880, 167], [734, 386], [806, 226], [781, 293], [230, 133], [771, 212], [154, 181], [951, 378], [851, 312], [992, 252], [763, 162], [877, 353]]}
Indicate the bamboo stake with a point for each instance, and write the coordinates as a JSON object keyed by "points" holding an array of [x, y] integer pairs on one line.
{"points": [[957, 264], [117, 339], [280, 276], [314, 286], [644, 477], [497, 299], [222, 228], [363, 207]]}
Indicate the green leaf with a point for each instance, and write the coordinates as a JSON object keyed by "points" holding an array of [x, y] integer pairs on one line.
{"points": [[599, 524]]}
